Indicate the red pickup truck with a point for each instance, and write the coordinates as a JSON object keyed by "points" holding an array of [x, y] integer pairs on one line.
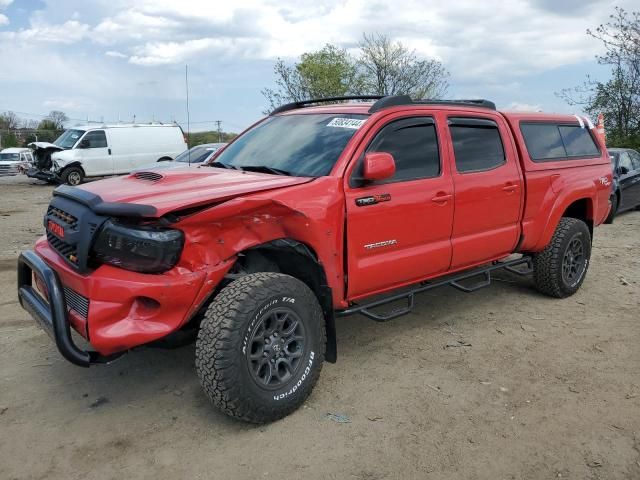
{"points": [[315, 212]]}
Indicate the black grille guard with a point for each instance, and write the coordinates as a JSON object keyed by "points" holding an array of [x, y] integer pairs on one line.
{"points": [[52, 317]]}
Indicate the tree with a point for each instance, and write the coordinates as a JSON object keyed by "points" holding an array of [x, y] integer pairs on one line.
{"points": [[8, 140], [47, 124], [382, 67], [9, 120], [329, 72], [390, 68], [58, 118], [30, 123], [618, 98]]}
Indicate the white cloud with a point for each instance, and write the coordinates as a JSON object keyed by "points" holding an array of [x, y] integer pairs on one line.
{"points": [[115, 54], [524, 107], [4, 20], [70, 31], [495, 48], [63, 104]]}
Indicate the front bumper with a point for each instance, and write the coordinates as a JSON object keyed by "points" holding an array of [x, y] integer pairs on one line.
{"points": [[51, 315], [47, 176], [124, 309]]}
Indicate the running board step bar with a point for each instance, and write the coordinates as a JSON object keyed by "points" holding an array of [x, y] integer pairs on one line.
{"points": [[453, 280]]}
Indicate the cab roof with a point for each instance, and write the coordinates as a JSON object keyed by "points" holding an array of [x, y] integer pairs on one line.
{"points": [[362, 108], [15, 150]]}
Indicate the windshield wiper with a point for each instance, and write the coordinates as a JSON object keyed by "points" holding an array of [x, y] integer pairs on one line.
{"points": [[223, 165], [265, 169]]}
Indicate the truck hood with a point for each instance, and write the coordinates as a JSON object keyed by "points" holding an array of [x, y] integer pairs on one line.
{"points": [[161, 192], [45, 146]]}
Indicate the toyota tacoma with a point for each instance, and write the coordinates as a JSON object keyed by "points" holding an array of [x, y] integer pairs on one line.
{"points": [[318, 211]]}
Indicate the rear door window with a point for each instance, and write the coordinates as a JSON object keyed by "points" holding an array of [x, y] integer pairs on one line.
{"points": [[476, 144]]}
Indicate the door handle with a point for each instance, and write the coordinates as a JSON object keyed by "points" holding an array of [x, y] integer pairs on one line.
{"points": [[441, 197], [109, 150], [510, 188]]}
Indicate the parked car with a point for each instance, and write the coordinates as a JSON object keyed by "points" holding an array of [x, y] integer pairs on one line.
{"points": [[625, 194], [315, 212], [12, 159], [98, 151], [198, 155]]}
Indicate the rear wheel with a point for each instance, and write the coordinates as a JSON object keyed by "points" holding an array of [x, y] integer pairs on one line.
{"points": [[72, 176], [261, 346], [559, 270]]}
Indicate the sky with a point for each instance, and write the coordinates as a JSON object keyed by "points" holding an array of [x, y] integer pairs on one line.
{"points": [[108, 60]]}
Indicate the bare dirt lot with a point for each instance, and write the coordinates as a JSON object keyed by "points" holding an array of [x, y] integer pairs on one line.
{"points": [[544, 388]]}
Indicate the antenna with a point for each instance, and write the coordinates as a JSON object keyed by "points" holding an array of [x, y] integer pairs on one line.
{"points": [[186, 83]]}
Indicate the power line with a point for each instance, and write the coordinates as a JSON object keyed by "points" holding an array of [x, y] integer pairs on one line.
{"points": [[102, 121], [218, 122]]}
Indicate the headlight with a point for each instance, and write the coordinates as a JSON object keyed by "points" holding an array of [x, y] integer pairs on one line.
{"points": [[140, 249]]}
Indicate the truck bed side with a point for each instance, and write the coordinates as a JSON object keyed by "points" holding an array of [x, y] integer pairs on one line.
{"points": [[577, 187]]}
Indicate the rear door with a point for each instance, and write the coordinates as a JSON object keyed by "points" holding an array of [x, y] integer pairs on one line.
{"points": [[399, 229], [488, 189], [94, 154]]}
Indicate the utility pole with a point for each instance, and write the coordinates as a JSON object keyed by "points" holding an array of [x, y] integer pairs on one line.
{"points": [[218, 122]]}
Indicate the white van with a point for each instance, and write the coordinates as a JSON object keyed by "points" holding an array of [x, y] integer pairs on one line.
{"points": [[97, 151], [13, 159]]}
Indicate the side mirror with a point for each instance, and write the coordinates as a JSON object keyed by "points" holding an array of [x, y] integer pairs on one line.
{"points": [[84, 143], [378, 166], [622, 170]]}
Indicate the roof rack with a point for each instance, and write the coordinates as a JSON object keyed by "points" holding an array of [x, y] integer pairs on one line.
{"points": [[395, 100], [306, 103], [387, 101]]}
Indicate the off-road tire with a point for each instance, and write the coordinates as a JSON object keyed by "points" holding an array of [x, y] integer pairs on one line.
{"points": [[72, 176], [547, 265], [615, 201], [222, 362]]}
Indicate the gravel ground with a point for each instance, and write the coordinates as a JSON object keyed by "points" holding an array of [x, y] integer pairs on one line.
{"points": [[543, 388]]}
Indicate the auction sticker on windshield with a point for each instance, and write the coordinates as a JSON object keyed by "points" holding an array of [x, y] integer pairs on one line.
{"points": [[354, 123]]}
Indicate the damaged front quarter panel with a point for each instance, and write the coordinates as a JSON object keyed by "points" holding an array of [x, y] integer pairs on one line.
{"points": [[216, 235]]}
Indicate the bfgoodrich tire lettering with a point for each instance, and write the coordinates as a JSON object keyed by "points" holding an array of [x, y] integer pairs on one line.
{"points": [[560, 269], [233, 337]]}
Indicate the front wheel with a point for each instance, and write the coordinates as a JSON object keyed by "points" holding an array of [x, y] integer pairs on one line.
{"points": [[559, 270], [261, 346], [72, 176]]}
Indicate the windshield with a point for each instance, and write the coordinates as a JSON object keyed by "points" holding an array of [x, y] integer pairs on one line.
{"points": [[198, 154], [68, 139], [9, 157], [301, 145]]}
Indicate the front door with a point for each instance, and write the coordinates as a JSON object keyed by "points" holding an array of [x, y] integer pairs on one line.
{"points": [[488, 186], [399, 229], [630, 180], [94, 154]]}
